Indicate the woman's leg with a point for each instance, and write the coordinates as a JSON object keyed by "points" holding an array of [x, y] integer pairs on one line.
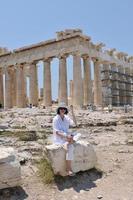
{"points": [[69, 158], [68, 165]]}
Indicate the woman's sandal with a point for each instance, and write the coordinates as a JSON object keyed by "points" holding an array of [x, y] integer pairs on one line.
{"points": [[70, 173]]}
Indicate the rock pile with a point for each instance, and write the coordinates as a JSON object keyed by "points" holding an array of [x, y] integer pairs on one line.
{"points": [[9, 168]]}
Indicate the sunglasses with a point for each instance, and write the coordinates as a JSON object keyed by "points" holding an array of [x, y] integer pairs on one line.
{"points": [[62, 108]]}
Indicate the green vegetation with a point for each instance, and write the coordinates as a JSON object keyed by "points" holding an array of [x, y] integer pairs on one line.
{"points": [[45, 171], [10, 133], [28, 136], [21, 135]]}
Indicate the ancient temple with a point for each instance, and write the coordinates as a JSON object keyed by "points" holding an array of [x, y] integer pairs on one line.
{"points": [[113, 72]]}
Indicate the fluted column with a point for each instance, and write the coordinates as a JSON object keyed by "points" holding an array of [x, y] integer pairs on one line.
{"points": [[106, 85], [26, 72], [71, 91], [97, 84], [13, 90], [8, 89], [47, 95], [87, 81], [77, 81], [33, 84], [63, 97], [20, 88], [1, 89]]}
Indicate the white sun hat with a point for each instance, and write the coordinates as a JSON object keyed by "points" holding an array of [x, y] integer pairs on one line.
{"points": [[62, 105]]}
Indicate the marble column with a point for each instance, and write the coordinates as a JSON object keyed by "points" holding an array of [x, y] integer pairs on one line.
{"points": [[71, 91], [1, 89], [106, 84], [26, 72], [97, 84], [63, 97], [47, 95], [87, 81], [8, 89], [33, 85], [13, 89], [77, 81], [20, 87]]}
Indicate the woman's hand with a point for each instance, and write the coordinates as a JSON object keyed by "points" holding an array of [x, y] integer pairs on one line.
{"points": [[70, 139]]}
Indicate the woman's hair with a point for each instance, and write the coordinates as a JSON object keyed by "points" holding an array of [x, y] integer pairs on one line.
{"points": [[66, 111]]}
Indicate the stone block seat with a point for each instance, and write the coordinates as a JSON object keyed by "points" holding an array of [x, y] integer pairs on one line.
{"points": [[84, 157], [10, 175]]}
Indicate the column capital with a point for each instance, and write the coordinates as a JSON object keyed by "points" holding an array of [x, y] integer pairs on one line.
{"points": [[62, 56], [111, 51], [34, 62], [96, 60], [27, 65], [19, 65], [2, 70], [76, 53], [8, 69], [47, 59], [86, 56], [99, 46]]}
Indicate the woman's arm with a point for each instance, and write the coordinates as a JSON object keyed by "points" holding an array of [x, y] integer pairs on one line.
{"points": [[57, 129], [61, 134]]}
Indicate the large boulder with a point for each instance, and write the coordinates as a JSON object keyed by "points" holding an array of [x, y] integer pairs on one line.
{"points": [[10, 175], [84, 157]]}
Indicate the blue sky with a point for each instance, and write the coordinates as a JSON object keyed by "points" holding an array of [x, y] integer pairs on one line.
{"points": [[24, 22]]}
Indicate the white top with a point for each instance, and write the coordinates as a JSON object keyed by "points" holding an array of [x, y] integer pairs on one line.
{"points": [[61, 125]]}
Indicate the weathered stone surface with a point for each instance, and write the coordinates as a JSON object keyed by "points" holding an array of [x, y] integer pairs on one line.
{"points": [[84, 157], [9, 169], [4, 126], [6, 155]]}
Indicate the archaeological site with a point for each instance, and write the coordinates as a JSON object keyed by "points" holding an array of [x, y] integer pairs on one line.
{"points": [[99, 99]]}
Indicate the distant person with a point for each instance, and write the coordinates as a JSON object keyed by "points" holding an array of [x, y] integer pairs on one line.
{"points": [[125, 108], [30, 105], [110, 109], [61, 123]]}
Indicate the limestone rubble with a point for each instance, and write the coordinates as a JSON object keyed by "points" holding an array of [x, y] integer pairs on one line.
{"points": [[10, 175], [110, 134]]}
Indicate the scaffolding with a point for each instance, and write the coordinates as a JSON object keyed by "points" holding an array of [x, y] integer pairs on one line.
{"points": [[117, 88]]}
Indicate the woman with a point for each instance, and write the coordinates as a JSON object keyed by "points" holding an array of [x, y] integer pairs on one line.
{"points": [[61, 123]]}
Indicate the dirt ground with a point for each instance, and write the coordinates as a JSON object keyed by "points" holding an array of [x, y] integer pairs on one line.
{"points": [[111, 180]]}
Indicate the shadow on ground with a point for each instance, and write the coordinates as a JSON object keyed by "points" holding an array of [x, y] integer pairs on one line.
{"points": [[16, 193], [81, 181]]}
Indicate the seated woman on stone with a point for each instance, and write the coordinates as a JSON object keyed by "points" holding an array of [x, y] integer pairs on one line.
{"points": [[61, 123]]}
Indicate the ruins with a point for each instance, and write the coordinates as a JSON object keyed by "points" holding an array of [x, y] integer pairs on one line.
{"points": [[113, 72]]}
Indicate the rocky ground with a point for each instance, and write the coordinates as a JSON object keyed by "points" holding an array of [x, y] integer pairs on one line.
{"points": [[111, 134]]}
